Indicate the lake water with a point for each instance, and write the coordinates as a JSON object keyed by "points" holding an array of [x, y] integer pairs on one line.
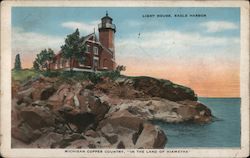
{"points": [[223, 132]]}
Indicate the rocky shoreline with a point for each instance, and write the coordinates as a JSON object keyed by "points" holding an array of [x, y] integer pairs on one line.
{"points": [[53, 113]]}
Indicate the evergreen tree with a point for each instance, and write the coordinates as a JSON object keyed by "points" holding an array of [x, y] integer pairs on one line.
{"points": [[73, 48], [17, 62], [44, 59]]}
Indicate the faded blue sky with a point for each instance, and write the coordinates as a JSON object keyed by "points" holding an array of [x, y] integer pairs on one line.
{"points": [[166, 44]]}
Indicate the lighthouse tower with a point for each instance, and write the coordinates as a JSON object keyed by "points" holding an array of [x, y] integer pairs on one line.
{"points": [[106, 38], [107, 33]]}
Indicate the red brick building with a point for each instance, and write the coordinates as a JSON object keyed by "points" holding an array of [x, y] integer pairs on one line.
{"points": [[99, 54]]}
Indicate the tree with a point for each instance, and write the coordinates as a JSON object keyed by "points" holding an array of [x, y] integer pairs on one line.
{"points": [[74, 48], [120, 68], [44, 59], [17, 62], [36, 65]]}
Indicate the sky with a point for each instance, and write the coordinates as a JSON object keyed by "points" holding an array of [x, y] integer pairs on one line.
{"points": [[199, 52]]}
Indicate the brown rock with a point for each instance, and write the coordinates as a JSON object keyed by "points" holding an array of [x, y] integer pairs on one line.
{"points": [[113, 138], [81, 119], [120, 145], [78, 144], [186, 112], [69, 99], [38, 88], [50, 140], [37, 117], [47, 92], [125, 119], [151, 138], [57, 99], [25, 134], [82, 103], [25, 93], [87, 84], [195, 111], [16, 119], [163, 88], [97, 108], [91, 133]]}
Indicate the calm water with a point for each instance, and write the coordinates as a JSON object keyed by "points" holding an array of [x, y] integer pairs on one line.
{"points": [[224, 132]]}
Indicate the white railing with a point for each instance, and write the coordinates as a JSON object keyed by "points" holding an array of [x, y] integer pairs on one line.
{"points": [[107, 25]]}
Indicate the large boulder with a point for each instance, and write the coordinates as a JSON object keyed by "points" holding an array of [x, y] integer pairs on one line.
{"points": [[125, 119], [120, 127], [25, 133], [98, 108], [81, 119], [47, 92], [48, 140], [195, 111], [87, 109], [57, 99], [124, 130], [38, 116], [151, 137]]}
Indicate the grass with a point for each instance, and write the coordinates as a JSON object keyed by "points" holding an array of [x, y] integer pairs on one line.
{"points": [[24, 74]]}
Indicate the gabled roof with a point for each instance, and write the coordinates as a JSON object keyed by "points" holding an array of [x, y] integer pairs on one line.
{"points": [[84, 39]]}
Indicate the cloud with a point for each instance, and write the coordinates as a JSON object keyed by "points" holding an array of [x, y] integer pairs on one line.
{"points": [[189, 59], [218, 26], [85, 28], [133, 23], [171, 43], [28, 44]]}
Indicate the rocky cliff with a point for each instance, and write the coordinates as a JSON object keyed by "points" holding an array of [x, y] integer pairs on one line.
{"points": [[53, 113]]}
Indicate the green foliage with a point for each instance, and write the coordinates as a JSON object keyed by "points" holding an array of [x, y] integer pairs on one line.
{"points": [[17, 62], [43, 59], [120, 68], [51, 73], [36, 65], [113, 75], [24, 74], [73, 48], [80, 76]]}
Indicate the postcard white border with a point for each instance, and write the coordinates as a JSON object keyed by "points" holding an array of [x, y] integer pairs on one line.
{"points": [[6, 150]]}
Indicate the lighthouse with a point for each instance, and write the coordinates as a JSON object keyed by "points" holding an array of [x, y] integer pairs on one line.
{"points": [[107, 32], [107, 39]]}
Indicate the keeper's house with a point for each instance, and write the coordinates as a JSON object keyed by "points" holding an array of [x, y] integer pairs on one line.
{"points": [[100, 52]]}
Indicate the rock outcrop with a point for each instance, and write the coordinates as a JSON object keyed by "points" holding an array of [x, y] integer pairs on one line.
{"points": [[52, 113]]}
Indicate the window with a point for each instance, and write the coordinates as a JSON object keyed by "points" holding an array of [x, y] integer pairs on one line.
{"points": [[67, 63], [96, 63], [95, 50], [88, 49], [61, 63]]}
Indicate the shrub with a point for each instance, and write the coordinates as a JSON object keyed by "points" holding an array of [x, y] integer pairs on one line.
{"points": [[110, 74], [51, 73]]}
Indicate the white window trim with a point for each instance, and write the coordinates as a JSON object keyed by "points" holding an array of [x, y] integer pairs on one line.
{"points": [[67, 63], [95, 50], [88, 66], [88, 50]]}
